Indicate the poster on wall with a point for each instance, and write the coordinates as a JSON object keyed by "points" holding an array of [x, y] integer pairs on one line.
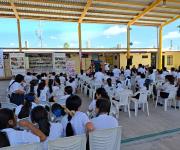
{"points": [[1, 63], [71, 68], [59, 62], [17, 63]]}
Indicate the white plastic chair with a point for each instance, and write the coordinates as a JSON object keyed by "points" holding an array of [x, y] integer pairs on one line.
{"points": [[123, 100], [108, 139], [8, 105], [170, 99], [35, 146], [68, 143], [142, 100]]}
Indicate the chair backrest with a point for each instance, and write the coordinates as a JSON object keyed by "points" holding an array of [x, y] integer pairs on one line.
{"points": [[8, 105], [123, 98], [68, 143], [143, 97], [172, 93], [35, 146], [105, 139]]}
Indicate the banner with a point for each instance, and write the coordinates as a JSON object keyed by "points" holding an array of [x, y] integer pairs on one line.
{"points": [[59, 62], [17, 63], [71, 68], [1, 64]]}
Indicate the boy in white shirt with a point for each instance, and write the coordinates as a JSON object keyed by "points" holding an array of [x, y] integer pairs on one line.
{"points": [[116, 72], [99, 76], [75, 122], [103, 120]]}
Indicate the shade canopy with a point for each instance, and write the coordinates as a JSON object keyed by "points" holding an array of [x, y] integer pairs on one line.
{"points": [[128, 12]]}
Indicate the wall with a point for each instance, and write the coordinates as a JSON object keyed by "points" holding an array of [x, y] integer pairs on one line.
{"points": [[176, 59]]}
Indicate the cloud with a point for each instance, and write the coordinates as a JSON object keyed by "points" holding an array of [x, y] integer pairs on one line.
{"points": [[12, 44], [114, 30], [172, 35], [136, 43], [53, 37]]}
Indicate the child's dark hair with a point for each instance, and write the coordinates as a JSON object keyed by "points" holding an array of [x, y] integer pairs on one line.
{"points": [[102, 92], [26, 109], [33, 83], [41, 86], [50, 84], [40, 116], [72, 104], [6, 115], [4, 140], [68, 90], [103, 105], [57, 80], [109, 82]]}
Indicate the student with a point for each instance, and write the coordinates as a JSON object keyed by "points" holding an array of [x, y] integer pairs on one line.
{"points": [[52, 131], [99, 76], [23, 111], [67, 92], [72, 83], [100, 93], [116, 72], [58, 91], [17, 137], [75, 122], [4, 140], [103, 120], [62, 79], [33, 86], [17, 90], [50, 89], [109, 84], [127, 72], [28, 77], [42, 90], [58, 112]]}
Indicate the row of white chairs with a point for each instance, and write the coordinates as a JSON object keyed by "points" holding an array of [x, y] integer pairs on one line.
{"points": [[107, 139]]}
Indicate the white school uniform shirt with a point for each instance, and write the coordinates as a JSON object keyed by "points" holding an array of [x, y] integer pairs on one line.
{"points": [[28, 79], [20, 137], [165, 73], [62, 80], [62, 100], [43, 94], [178, 75], [106, 67], [104, 121], [92, 105], [99, 76], [56, 131], [174, 74], [16, 86], [127, 73], [152, 77], [141, 70], [116, 72], [78, 122], [141, 82]]}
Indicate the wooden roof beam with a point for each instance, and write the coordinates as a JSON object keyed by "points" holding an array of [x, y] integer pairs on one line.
{"points": [[170, 21], [14, 9], [148, 9], [89, 2]]}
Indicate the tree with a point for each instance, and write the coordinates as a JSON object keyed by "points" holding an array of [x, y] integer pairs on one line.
{"points": [[66, 45]]}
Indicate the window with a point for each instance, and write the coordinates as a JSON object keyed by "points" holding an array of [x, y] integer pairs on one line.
{"points": [[144, 56], [169, 60]]}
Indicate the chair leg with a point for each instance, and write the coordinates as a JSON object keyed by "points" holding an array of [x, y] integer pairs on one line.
{"points": [[143, 107], [136, 109], [165, 104], [147, 105], [129, 110], [156, 101]]}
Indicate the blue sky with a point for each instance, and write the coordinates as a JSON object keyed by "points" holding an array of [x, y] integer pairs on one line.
{"points": [[55, 34]]}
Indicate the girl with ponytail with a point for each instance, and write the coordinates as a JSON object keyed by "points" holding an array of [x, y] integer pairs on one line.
{"points": [[39, 115], [75, 122]]}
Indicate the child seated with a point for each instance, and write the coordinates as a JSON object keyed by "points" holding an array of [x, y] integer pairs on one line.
{"points": [[102, 119]]}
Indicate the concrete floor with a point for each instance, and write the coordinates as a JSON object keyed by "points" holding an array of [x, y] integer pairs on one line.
{"points": [[158, 121]]}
